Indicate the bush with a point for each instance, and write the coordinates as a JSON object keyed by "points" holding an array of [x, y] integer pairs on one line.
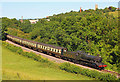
{"points": [[26, 54], [90, 73], [20, 51]]}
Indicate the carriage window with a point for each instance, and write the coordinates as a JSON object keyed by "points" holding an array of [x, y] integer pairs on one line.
{"points": [[59, 51], [56, 50], [48, 48]]}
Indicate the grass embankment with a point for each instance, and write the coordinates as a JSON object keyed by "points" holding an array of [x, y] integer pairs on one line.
{"points": [[0, 61], [18, 67]]}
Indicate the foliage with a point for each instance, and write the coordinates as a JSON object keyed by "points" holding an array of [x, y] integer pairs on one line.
{"points": [[90, 73], [108, 9], [95, 32], [7, 23], [25, 26]]}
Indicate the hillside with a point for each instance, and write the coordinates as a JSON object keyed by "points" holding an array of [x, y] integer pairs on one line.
{"points": [[94, 32], [114, 13], [17, 67]]}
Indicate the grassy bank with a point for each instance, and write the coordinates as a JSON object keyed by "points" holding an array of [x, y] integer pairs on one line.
{"points": [[48, 67], [16, 66]]}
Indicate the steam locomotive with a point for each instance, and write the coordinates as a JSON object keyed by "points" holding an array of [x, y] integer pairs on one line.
{"points": [[79, 57]]}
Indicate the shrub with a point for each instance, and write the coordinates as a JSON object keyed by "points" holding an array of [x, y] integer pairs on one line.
{"points": [[20, 51], [90, 73]]}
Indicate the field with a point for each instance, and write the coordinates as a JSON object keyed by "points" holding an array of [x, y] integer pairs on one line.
{"points": [[17, 67]]}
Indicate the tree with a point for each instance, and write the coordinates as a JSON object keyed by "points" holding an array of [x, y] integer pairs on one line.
{"points": [[26, 26], [3, 27], [112, 8]]}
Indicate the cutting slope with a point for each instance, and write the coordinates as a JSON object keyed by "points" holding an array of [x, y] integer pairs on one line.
{"points": [[18, 67]]}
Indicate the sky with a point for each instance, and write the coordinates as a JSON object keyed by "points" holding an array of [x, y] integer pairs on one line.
{"points": [[40, 9]]}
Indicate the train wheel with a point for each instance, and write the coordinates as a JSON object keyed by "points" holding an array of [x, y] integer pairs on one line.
{"points": [[94, 65], [65, 58], [73, 61], [40, 50], [81, 63], [68, 59], [101, 68], [50, 54], [77, 62], [59, 56], [34, 49]]}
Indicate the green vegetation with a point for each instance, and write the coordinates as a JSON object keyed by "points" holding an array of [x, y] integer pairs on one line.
{"points": [[90, 73], [0, 60], [18, 67], [95, 32], [50, 65]]}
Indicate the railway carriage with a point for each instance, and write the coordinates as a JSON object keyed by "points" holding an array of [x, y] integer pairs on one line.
{"points": [[14, 39], [30, 44], [50, 49], [61, 52]]}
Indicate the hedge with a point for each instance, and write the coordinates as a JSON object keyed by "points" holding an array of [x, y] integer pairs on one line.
{"points": [[26, 54], [87, 72]]}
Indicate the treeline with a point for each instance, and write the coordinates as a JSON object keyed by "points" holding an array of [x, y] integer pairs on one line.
{"points": [[95, 32]]}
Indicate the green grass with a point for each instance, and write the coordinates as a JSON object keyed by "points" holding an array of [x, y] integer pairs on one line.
{"points": [[17, 67], [0, 61]]}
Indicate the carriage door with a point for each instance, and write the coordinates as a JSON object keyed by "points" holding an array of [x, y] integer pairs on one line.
{"points": [[64, 51], [61, 51]]}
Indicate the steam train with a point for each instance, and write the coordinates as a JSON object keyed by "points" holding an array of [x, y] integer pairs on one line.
{"points": [[78, 57]]}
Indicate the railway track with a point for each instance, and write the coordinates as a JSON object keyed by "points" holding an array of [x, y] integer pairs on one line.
{"points": [[112, 72], [57, 60]]}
